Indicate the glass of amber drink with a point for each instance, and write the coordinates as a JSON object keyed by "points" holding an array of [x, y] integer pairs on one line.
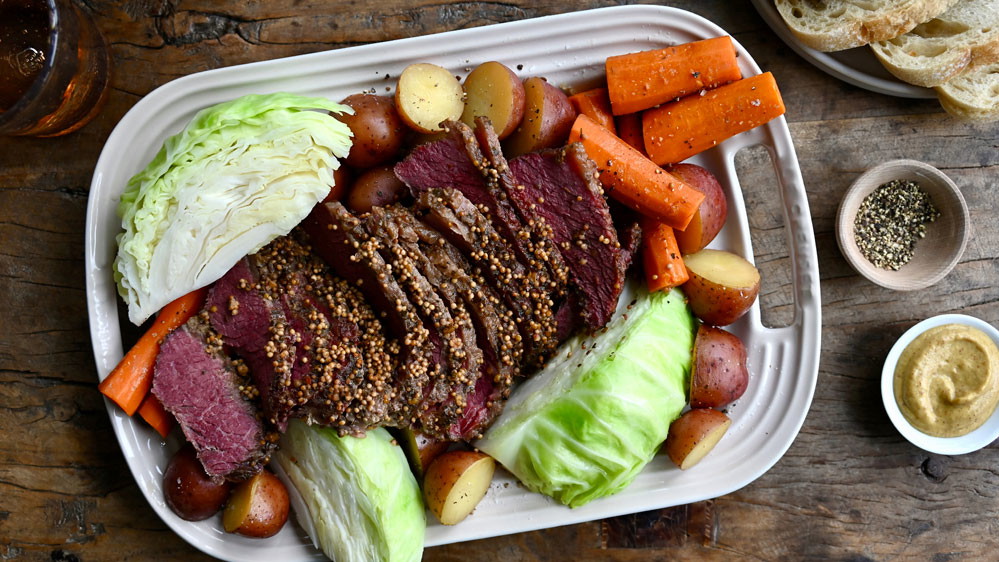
{"points": [[54, 68]]}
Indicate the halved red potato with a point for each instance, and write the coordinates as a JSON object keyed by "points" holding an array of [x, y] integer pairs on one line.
{"points": [[494, 91], [421, 450], [456, 482], [548, 117], [719, 375], [710, 216], [428, 95], [694, 434], [258, 507], [722, 286]]}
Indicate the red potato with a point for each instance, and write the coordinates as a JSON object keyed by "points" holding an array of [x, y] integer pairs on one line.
{"points": [[258, 507], [379, 131], [722, 286], [376, 187], [494, 91], [188, 490], [548, 117], [456, 482], [428, 95], [341, 181], [720, 375], [421, 450], [694, 434], [710, 216]]}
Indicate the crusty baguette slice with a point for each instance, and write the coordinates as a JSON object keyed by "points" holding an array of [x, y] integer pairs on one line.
{"points": [[835, 25], [972, 95], [965, 36]]}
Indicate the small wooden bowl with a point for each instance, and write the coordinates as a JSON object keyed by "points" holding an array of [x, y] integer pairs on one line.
{"points": [[936, 254]]}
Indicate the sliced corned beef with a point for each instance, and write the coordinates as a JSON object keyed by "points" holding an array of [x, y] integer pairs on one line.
{"points": [[462, 224], [296, 327], [446, 321], [538, 244], [462, 296], [338, 237], [562, 187], [197, 384], [450, 163]]}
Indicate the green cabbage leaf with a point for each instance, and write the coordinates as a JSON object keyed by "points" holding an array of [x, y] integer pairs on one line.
{"points": [[239, 175], [595, 415], [362, 499]]}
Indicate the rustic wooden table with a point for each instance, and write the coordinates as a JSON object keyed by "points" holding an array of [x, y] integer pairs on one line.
{"points": [[849, 487]]}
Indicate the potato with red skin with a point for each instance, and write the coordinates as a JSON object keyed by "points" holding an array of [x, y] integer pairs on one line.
{"points": [[376, 187], [188, 490], [421, 449], [379, 131], [427, 95], [710, 216], [722, 286], [455, 482], [548, 118], [719, 375], [341, 181], [493, 90], [258, 507], [694, 434]]}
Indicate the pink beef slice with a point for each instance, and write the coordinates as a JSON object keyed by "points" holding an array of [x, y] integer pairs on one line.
{"points": [[561, 187], [197, 384]]}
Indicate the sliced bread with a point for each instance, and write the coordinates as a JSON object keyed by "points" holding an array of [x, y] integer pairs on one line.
{"points": [[965, 36], [973, 94], [835, 25]]}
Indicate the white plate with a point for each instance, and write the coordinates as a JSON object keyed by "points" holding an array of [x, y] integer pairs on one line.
{"points": [[854, 66], [567, 49]]}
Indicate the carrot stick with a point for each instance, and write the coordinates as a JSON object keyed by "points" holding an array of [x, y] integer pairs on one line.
{"points": [[629, 129], [638, 81], [634, 180], [595, 105], [679, 130], [156, 416], [128, 384], [661, 257]]}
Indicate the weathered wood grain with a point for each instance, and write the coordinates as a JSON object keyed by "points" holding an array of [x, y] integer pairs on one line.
{"points": [[849, 488]]}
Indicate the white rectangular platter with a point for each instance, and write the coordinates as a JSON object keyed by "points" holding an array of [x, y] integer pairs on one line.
{"points": [[567, 49]]}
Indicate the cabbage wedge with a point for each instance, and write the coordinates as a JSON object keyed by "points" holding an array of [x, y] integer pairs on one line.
{"points": [[239, 175], [363, 502], [587, 423]]}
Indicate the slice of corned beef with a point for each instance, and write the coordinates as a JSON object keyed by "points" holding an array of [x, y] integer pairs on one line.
{"points": [[496, 329], [462, 224], [296, 328], [456, 291], [197, 384], [245, 320], [562, 187], [338, 237], [452, 162], [446, 320], [538, 243]]}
